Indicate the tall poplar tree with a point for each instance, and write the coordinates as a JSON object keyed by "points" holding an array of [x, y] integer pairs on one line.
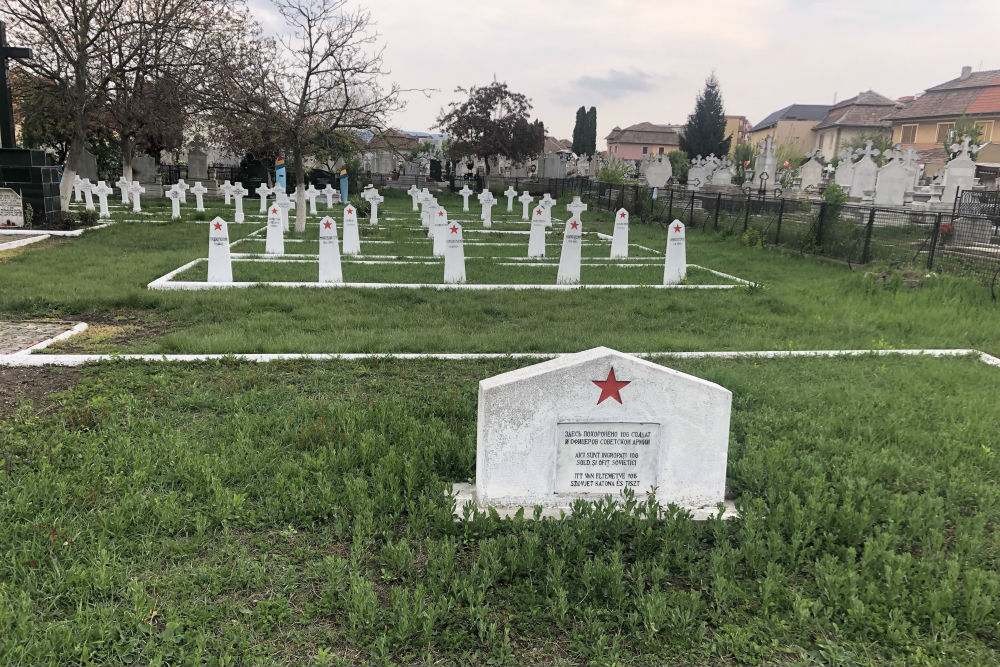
{"points": [[579, 131], [705, 130], [590, 137]]}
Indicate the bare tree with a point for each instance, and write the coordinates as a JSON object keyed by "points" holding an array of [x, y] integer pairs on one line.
{"points": [[322, 78]]}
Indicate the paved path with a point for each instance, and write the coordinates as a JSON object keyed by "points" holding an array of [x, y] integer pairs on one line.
{"points": [[15, 336]]}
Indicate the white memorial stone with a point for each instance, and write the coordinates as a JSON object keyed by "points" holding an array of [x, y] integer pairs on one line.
{"points": [[330, 192], [352, 239], [102, 191], [845, 170], [675, 262], [569, 258], [487, 201], [619, 242], [510, 193], [311, 194], [959, 173], [598, 422], [865, 172], [282, 202], [275, 241], [135, 191], [263, 192], [439, 225], [465, 192], [11, 208], [811, 173], [174, 195], [547, 202], [124, 186], [658, 171], [239, 192], [576, 209], [87, 188], [454, 254], [199, 191], [220, 266], [182, 187], [372, 196], [329, 252], [893, 179], [77, 182], [536, 238], [227, 189], [414, 193], [525, 200]]}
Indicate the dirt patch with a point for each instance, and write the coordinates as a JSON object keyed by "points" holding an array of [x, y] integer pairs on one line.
{"points": [[114, 331], [34, 385]]}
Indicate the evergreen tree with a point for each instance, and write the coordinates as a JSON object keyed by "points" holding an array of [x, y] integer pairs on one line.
{"points": [[590, 137], [579, 131], [705, 130]]}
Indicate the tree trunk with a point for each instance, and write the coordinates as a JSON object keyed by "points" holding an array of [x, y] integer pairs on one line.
{"points": [[128, 152], [69, 171], [300, 194], [486, 174]]}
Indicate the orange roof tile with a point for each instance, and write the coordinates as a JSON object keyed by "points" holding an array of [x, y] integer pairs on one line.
{"points": [[987, 102]]}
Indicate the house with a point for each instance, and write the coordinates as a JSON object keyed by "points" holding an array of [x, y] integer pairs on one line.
{"points": [[737, 127], [637, 141], [791, 126], [927, 123], [385, 150], [862, 114]]}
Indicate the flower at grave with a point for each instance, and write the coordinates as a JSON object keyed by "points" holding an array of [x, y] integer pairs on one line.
{"points": [[746, 163], [786, 165], [945, 232]]}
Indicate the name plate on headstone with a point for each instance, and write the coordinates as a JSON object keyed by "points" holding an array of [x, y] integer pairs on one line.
{"points": [[606, 457], [11, 209]]}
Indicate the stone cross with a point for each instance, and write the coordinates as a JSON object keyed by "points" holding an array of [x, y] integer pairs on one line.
{"points": [[311, 194], [510, 193], [768, 145], [329, 192], [227, 189], [576, 208], [182, 187], [867, 151], [414, 193], [548, 202], [77, 183], [88, 190], [465, 192], [239, 192], [372, 196], [282, 203], [525, 200], [263, 192], [487, 200], [965, 149], [174, 195], [909, 157], [135, 191], [124, 185], [199, 191], [102, 191]]}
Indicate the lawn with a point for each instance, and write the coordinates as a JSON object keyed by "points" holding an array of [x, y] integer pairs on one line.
{"points": [[290, 513]]}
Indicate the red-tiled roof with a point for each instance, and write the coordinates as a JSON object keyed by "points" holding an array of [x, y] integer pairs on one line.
{"points": [[393, 140], [866, 109], [646, 133], [990, 77], [977, 93], [987, 102]]}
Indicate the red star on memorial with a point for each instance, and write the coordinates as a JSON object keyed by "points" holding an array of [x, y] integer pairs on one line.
{"points": [[677, 228], [574, 224], [350, 211], [326, 225], [454, 229], [440, 214], [218, 225], [622, 214], [274, 210], [610, 387], [538, 212]]}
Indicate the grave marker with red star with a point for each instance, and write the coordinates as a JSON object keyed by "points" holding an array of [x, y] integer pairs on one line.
{"points": [[611, 387]]}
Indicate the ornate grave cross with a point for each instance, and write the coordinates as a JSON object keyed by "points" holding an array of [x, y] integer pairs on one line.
{"points": [[965, 149], [7, 52], [263, 192], [909, 157], [867, 151], [311, 194], [102, 191], [199, 191], [124, 185]]}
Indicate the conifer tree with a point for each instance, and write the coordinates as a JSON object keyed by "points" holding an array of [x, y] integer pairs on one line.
{"points": [[705, 130], [579, 131], [590, 137]]}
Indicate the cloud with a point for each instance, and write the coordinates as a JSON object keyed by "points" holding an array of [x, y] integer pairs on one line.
{"points": [[617, 83]]}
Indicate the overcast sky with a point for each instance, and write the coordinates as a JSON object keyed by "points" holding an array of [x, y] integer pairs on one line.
{"points": [[646, 60]]}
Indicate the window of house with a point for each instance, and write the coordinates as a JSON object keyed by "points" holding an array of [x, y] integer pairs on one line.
{"points": [[821, 137], [944, 132], [985, 128], [661, 150], [908, 134], [645, 149]]}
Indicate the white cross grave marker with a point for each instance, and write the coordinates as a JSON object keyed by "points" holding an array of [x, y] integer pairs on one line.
{"points": [[311, 194], [372, 196], [536, 239], [102, 191], [576, 207], [465, 192], [124, 185], [282, 203], [239, 192], [352, 241], [510, 193], [425, 211], [220, 266], [548, 202], [227, 189], [675, 263], [88, 191], [199, 191], [329, 252], [275, 241], [263, 192], [182, 187], [454, 254], [77, 182], [487, 200], [136, 191], [414, 193], [174, 195], [619, 242], [525, 200], [329, 192]]}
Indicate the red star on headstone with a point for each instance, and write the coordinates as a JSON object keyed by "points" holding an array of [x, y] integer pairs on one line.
{"points": [[538, 212], [677, 228], [622, 214], [454, 229], [350, 211], [440, 214], [274, 210], [326, 225], [610, 387], [218, 225], [574, 224]]}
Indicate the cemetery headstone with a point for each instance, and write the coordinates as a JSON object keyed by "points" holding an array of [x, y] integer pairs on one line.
{"points": [[199, 191], [525, 200], [454, 255], [465, 192], [811, 173], [77, 188], [174, 195], [536, 238], [329, 191], [282, 202], [675, 262], [425, 213], [845, 170], [658, 172], [311, 194], [88, 194], [547, 202], [182, 187], [220, 267], [197, 160], [439, 222], [576, 209], [372, 196], [487, 200], [135, 192], [329, 252], [274, 242], [960, 172], [263, 192], [510, 193], [891, 183], [598, 422], [123, 185], [619, 242], [723, 176], [414, 193], [569, 258], [865, 172], [144, 170], [227, 190], [239, 192], [352, 239], [102, 191], [766, 162], [11, 208]]}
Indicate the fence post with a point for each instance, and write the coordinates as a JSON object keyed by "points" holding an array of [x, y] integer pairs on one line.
{"points": [[934, 240], [718, 203], [670, 207], [746, 212], [781, 214], [691, 213], [866, 252], [819, 225]]}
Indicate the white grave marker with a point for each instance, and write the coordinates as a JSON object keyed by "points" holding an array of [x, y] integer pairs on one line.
{"points": [[525, 200], [569, 258], [263, 192], [510, 193], [352, 241], [282, 203], [275, 241], [227, 189], [619, 242], [487, 200], [329, 193], [596, 423], [414, 193], [182, 187], [329, 252], [239, 192], [439, 225], [576, 209], [454, 254], [11, 208], [372, 196], [311, 194], [465, 192], [77, 182], [88, 191], [675, 262], [102, 191], [220, 266], [199, 191], [174, 195], [124, 186], [136, 191], [547, 202], [536, 239]]}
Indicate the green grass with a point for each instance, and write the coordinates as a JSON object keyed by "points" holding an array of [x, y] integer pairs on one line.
{"points": [[806, 303], [295, 513]]}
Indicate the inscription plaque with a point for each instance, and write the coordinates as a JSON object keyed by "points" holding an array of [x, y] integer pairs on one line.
{"points": [[606, 457]]}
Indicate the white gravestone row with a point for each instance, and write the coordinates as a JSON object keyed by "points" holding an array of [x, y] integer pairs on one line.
{"points": [[454, 254], [220, 267], [439, 225], [199, 191], [510, 193], [465, 192], [525, 200], [596, 423], [352, 239], [329, 252]]}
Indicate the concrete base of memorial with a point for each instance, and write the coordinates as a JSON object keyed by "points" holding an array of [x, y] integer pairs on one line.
{"points": [[465, 493]]}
